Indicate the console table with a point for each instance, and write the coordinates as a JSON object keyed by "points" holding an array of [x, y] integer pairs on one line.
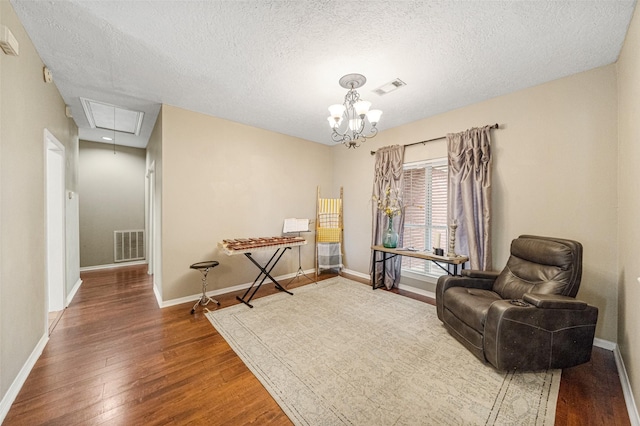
{"points": [[446, 263]]}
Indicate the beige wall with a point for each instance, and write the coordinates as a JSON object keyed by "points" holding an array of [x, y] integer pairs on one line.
{"points": [[112, 188], [27, 106], [227, 180], [554, 162], [629, 203]]}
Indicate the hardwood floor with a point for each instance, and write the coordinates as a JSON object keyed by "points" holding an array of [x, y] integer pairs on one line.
{"points": [[116, 358]]}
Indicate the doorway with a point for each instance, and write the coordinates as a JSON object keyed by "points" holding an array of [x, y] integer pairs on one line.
{"points": [[55, 227]]}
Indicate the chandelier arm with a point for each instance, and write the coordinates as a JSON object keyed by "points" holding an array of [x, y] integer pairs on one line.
{"points": [[337, 137], [352, 144]]}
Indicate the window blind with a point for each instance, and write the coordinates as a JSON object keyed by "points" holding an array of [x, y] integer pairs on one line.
{"points": [[425, 200]]}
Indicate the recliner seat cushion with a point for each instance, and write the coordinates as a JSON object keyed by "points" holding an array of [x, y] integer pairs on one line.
{"points": [[470, 305]]}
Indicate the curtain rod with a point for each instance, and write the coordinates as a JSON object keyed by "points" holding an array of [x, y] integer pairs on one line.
{"points": [[495, 126]]}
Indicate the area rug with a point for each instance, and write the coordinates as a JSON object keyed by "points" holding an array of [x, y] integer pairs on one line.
{"points": [[338, 352]]}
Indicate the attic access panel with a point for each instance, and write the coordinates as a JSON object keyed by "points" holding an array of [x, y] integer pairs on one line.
{"points": [[111, 117]]}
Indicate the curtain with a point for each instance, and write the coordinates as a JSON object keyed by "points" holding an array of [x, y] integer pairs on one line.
{"points": [[469, 159], [387, 174]]}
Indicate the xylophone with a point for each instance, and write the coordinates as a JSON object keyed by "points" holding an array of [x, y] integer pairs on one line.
{"points": [[248, 245], [243, 245]]}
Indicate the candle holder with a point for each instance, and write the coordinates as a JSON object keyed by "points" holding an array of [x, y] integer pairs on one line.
{"points": [[452, 240]]}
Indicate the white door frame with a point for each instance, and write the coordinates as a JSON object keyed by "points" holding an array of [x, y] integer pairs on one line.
{"points": [[55, 163], [151, 225]]}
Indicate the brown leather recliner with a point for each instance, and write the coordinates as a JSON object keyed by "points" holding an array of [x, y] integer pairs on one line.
{"points": [[525, 317]]}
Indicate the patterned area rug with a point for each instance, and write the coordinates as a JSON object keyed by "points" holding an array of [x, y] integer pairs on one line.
{"points": [[337, 352]]}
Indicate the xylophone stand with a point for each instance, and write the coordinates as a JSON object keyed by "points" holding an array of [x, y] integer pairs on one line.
{"points": [[264, 274]]}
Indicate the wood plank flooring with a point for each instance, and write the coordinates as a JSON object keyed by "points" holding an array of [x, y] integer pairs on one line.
{"points": [[115, 358]]}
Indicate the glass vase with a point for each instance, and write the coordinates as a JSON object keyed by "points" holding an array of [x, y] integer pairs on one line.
{"points": [[390, 237]]}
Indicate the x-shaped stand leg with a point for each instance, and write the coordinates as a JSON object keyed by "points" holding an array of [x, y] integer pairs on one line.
{"points": [[265, 272]]}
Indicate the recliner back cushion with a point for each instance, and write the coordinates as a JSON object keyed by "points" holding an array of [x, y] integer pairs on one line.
{"points": [[537, 266]]}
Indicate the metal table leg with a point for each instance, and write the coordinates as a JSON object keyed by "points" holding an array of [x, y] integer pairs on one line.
{"points": [[375, 285]]}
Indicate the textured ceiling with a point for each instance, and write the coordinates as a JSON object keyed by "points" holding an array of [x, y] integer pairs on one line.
{"points": [[276, 64]]}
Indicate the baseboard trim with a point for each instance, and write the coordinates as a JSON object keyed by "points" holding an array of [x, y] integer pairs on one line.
{"points": [[112, 265], [605, 344], [416, 290], [356, 274], [629, 400], [404, 287], [156, 292], [11, 394], [214, 293], [73, 292]]}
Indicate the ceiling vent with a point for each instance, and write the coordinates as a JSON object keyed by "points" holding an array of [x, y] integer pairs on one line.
{"points": [[390, 87], [112, 117]]}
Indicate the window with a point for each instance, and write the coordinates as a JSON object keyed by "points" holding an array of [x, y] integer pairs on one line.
{"points": [[425, 200]]}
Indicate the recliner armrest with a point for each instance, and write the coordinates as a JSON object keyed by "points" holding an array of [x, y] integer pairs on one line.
{"points": [[533, 338], [475, 273], [553, 301]]}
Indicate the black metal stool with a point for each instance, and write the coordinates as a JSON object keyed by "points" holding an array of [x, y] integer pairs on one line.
{"points": [[204, 267]]}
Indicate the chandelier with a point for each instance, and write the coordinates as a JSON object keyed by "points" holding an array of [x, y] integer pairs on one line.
{"points": [[354, 113]]}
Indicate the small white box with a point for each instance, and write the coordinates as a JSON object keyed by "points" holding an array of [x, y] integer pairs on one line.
{"points": [[8, 42]]}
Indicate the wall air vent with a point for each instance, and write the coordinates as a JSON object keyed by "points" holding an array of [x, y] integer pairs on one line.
{"points": [[390, 87], [111, 117], [128, 245]]}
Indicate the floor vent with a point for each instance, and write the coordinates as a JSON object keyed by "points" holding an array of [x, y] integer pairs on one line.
{"points": [[128, 245]]}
